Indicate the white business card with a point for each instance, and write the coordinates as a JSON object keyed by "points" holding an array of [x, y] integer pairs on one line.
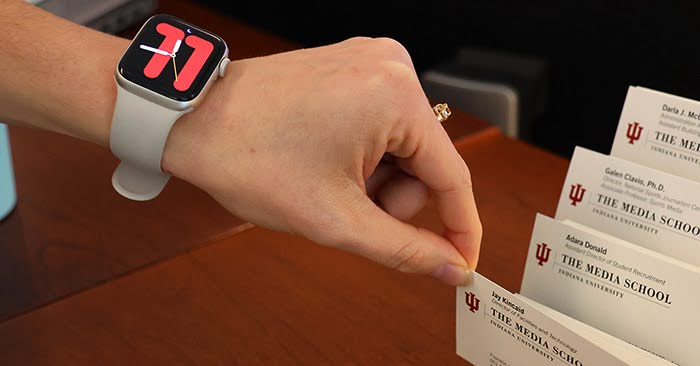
{"points": [[661, 131], [496, 328], [626, 352], [644, 206], [629, 292]]}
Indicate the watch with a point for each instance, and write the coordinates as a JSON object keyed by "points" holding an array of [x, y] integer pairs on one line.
{"points": [[166, 71]]}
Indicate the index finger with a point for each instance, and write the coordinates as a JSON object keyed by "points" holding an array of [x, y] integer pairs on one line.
{"points": [[432, 158]]}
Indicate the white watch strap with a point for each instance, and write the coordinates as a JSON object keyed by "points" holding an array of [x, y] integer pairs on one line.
{"points": [[139, 131]]}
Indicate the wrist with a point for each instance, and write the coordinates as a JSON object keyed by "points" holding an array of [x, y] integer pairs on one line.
{"points": [[96, 124], [178, 149], [182, 154]]}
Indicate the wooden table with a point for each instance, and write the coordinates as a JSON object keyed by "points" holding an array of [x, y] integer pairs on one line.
{"points": [[89, 278]]}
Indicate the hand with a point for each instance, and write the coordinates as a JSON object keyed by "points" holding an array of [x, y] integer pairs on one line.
{"points": [[156, 50], [293, 142]]}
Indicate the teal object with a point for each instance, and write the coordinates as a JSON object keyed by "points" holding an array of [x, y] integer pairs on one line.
{"points": [[8, 195]]}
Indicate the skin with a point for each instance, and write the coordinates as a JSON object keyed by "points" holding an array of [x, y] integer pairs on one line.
{"points": [[292, 142]]}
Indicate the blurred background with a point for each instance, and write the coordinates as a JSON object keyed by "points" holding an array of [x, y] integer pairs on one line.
{"points": [[552, 73]]}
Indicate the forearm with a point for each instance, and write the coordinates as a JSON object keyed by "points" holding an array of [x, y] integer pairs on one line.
{"points": [[55, 74]]}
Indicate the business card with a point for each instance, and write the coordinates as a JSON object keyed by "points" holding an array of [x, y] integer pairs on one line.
{"points": [[632, 293], [626, 352], [661, 131], [644, 206], [496, 328]]}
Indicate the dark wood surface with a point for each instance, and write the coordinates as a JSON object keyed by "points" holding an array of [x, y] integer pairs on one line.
{"points": [[71, 231], [87, 277], [261, 297]]}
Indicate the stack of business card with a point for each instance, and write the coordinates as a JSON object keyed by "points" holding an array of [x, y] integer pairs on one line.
{"points": [[661, 131], [610, 280], [630, 292], [626, 352], [496, 327], [645, 206]]}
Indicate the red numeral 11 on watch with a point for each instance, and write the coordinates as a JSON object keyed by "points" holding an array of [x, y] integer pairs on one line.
{"points": [[202, 49]]}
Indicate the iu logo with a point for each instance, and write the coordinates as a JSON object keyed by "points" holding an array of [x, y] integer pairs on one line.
{"points": [[472, 302], [542, 254], [576, 194], [634, 132]]}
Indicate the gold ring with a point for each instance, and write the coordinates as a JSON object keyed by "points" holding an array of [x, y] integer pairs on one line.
{"points": [[442, 112]]}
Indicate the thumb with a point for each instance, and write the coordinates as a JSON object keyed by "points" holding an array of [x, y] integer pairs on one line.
{"points": [[379, 236]]}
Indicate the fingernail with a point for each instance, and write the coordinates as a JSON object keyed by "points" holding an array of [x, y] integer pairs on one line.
{"points": [[452, 274]]}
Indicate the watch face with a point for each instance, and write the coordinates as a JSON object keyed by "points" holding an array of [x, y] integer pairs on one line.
{"points": [[172, 58]]}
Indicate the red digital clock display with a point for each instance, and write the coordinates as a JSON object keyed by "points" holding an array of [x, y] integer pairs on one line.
{"points": [[172, 58]]}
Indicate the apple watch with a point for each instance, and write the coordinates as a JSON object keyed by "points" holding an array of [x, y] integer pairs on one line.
{"points": [[166, 71]]}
